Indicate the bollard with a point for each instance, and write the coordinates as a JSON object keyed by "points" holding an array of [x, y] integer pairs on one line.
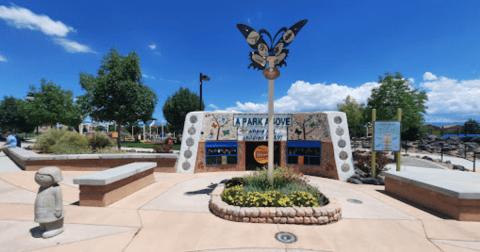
{"points": [[441, 150]]}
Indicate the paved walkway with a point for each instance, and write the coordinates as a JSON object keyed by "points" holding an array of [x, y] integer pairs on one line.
{"points": [[172, 215]]}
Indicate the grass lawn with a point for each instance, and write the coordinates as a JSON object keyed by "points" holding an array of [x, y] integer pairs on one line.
{"points": [[146, 145]]}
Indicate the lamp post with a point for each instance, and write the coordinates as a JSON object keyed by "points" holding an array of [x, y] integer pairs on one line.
{"points": [[202, 78], [275, 56]]}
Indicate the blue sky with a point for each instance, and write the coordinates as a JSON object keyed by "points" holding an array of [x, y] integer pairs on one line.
{"points": [[341, 51]]}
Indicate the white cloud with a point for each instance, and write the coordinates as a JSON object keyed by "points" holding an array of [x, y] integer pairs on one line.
{"points": [[144, 76], [72, 46], [24, 18], [3, 58], [152, 46], [213, 106], [303, 96], [429, 76], [451, 96], [249, 21], [411, 80]]}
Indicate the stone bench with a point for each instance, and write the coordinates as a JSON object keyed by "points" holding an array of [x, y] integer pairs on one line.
{"points": [[108, 186], [31, 161], [451, 193]]}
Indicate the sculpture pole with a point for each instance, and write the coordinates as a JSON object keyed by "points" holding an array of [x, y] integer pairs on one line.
{"points": [[271, 73]]}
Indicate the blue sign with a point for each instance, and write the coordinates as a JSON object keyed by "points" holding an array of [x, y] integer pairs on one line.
{"points": [[386, 136]]}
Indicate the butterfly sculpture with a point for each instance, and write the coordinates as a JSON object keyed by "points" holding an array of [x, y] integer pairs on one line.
{"points": [[256, 41]]}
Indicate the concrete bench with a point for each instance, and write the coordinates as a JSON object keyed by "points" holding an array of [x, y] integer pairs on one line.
{"points": [[452, 193], [108, 186]]}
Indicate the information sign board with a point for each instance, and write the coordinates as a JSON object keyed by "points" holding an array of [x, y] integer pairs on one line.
{"points": [[386, 136]]}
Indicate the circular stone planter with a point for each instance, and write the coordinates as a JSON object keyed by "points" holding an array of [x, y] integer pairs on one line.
{"points": [[284, 215]]}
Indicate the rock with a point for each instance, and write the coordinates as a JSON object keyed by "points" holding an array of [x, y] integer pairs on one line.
{"points": [[248, 212], [263, 212], [313, 220], [283, 220], [291, 220], [255, 212], [405, 155], [448, 162], [271, 212], [246, 219], [308, 212], [269, 220], [298, 220], [366, 145], [317, 211], [279, 212], [241, 213], [322, 219], [290, 211], [299, 211], [236, 211], [230, 210], [277, 219], [459, 167], [354, 181], [262, 220], [254, 219]]}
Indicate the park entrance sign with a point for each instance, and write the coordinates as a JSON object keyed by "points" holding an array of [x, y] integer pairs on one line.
{"points": [[314, 143]]}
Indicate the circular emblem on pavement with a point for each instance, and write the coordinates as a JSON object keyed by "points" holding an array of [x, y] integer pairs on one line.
{"points": [[337, 119], [190, 142], [342, 143], [339, 131], [187, 154], [193, 119], [345, 168], [192, 130], [186, 165], [343, 155]]}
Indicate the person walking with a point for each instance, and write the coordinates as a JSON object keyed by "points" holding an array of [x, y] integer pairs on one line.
{"points": [[11, 142]]}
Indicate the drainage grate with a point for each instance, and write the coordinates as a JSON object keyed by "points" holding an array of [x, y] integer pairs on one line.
{"points": [[355, 201], [285, 237]]}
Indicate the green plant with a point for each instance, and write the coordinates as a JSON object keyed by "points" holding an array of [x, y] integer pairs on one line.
{"points": [[364, 162], [47, 140], [71, 143], [234, 182], [99, 140], [64, 148], [300, 198]]}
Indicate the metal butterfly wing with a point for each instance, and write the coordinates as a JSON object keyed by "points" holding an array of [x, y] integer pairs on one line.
{"points": [[289, 34], [256, 42]]}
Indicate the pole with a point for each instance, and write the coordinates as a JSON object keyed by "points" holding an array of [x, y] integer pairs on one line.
{"points": [[271, 65], [441, 151], [200, 109], [474, 160], [398, 153], [374, 116]]}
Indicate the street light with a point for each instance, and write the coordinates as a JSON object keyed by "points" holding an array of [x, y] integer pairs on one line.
{"points": [[202, 78], [275, 56]]}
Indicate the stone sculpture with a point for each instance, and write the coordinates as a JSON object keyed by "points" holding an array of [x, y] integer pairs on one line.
{"points": [[49, 212]]}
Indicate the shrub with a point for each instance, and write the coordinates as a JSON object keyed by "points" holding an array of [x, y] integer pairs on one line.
{"points": [[71, 143], [364, 162], [281, 177], [99, 140], [47, 140], [164, 147], [234, 182], [64, 148]]}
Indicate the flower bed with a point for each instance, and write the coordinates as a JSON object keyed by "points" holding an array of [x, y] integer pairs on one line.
{"points": [[285, 198], [283, 215]]}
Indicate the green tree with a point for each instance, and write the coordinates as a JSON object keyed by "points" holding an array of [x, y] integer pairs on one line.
{"points": [[178, 106], [355, 116], [395, 92], [12, 118], [50, 105], [353, 110], [472, 127], [117, 93]]}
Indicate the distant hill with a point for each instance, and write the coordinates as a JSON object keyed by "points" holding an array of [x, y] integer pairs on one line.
{"points": [[439, 124]]}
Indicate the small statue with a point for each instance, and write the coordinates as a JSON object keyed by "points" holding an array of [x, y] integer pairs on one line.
{"points": [[49, 210]]}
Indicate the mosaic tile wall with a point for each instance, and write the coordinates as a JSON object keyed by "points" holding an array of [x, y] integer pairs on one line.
{"points": [[329, 127]]}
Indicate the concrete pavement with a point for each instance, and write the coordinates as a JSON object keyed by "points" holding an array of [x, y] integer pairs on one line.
{"points": [[172, 215]]}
